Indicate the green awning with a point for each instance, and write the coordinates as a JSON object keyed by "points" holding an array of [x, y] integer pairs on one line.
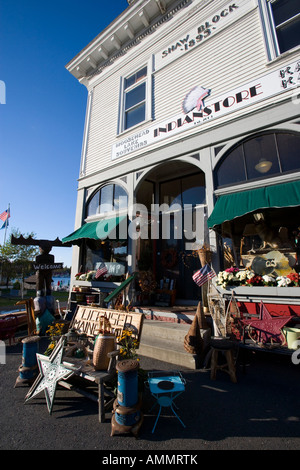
{"points": [[231, 206], [97, 230]]}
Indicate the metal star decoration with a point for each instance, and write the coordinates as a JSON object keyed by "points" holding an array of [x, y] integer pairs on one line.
{"points": [[51, 371], [268, 327]]}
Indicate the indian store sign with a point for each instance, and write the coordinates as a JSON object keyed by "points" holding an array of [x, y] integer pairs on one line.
{"points": [[203, 110], [203, 31]]}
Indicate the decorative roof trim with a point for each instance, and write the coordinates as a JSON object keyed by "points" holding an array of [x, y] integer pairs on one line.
{"points": [[150, 30]]}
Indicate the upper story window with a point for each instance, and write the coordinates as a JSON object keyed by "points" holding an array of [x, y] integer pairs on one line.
{"points": [[109, 198], [262, 156], [136, 99], [281, 25]]}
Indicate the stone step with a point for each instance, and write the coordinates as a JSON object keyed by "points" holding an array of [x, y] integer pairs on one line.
{"points": [[165, 329], [165, 341]]}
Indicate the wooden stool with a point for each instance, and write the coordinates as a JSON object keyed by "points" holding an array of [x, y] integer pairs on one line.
{"points": [[225, 347]]}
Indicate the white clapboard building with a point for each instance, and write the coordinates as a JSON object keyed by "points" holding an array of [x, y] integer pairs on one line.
{"points": [[191, 138]]}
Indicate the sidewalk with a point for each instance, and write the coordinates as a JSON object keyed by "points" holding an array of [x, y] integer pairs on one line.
{"points": [[260, 412]]}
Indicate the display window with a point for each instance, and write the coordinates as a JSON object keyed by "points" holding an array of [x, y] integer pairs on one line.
{"points": [[259, 226], [106, 256]]}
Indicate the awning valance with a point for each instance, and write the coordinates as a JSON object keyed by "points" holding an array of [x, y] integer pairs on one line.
{"points": [[231, 206], [97, 230]]}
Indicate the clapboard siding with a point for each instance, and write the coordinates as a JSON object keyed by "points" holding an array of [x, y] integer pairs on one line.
{"points": [[212, 66], [232, 57]]}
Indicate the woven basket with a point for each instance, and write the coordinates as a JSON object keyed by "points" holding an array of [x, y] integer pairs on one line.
{"points": [[104, 344]]}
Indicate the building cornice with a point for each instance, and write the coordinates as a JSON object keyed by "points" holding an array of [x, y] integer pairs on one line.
{"points": [[141, 19]]}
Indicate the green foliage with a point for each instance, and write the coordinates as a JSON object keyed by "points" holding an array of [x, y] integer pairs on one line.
{"points": [[16, 260]]}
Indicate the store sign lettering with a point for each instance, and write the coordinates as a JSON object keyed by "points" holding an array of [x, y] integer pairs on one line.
{"points": [[279, 81], [204, 31], [211, 110]]}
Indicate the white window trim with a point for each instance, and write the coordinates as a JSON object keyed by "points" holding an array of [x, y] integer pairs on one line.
{"points": [[269, 30], [148, 98]]}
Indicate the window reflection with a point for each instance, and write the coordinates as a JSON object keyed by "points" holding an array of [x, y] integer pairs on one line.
{"points": [[187, 190], [111, 197], [259, 157], [106, 203], [232, 169]]}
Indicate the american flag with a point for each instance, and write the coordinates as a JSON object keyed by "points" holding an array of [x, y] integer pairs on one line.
{"points": [[101, 271], [202, 276], [4, 217]]}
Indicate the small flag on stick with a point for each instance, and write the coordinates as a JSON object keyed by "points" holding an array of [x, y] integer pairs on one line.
{"points": [[203, 275], [101, 271]]}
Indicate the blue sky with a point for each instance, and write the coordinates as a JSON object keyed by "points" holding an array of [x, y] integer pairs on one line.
{"points": [[42, 122]]}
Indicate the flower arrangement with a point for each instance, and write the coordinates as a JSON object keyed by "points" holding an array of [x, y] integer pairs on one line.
{"points": [[233, 277], [128, 345], [247, 277], [294, 278], [91, 275], [54, 331]]}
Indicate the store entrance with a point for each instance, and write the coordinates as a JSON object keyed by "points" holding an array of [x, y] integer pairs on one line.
{"points": [[177, 189]]}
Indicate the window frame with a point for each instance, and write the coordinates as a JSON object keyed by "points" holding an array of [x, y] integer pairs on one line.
{"points": [[125, 90], [98, 192], [269, 29], [280, 156]]}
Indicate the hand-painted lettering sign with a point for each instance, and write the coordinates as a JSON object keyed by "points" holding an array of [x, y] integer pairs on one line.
{"points": [[202, 31], [207, 108]]}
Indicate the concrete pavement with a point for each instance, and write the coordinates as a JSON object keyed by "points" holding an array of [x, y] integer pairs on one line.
{"points": [[260, 412]]}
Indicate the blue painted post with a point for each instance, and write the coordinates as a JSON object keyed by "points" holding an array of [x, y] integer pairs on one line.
{"points": [[127, 382], [29, 368]]}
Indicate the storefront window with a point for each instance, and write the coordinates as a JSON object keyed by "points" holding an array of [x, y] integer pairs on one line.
{"points": [[262, 156], [106, 202], [113, 254], [188, 190], [264, 240], [109, 198], [232, 170]]}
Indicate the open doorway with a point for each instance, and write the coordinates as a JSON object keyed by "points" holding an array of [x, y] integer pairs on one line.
{"points": [[178, 189]]}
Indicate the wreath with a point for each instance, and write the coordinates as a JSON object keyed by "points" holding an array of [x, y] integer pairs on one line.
{"points": [[169, 258], [147, 282]]}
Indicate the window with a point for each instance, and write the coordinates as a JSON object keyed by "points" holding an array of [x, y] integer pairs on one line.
{"points": [[281, 25], [262, 156], [109, 198], [135, 99]]}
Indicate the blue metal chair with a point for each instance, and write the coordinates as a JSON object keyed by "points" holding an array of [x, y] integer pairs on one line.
{"points": [[165, 387]]}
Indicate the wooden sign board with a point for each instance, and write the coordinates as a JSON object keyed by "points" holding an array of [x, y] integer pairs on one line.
{"points": [[86, 320]]}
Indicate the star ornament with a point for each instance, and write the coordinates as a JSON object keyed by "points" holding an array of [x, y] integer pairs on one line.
{"points": [[51, 371], [268, 327]]}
